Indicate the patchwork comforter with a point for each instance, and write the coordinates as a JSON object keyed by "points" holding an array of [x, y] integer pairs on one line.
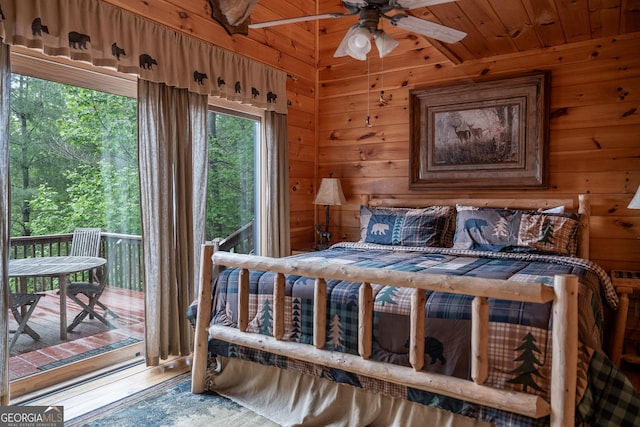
{"points": [[520, 333]]}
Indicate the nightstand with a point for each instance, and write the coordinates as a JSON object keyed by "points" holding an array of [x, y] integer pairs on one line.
{"points": [[625, 283]]}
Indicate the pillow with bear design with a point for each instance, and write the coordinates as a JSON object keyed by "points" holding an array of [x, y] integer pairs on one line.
{"points": [[489, 229], [430, 226]]}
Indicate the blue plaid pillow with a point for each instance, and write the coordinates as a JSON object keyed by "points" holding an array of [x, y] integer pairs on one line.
{"points": [[431, 226]]}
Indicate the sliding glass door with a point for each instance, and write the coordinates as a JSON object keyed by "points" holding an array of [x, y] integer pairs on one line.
{"points": [[73, 164]]}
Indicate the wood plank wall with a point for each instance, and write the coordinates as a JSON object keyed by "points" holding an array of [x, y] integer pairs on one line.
{"points": [[595, 132], [594, 140]]}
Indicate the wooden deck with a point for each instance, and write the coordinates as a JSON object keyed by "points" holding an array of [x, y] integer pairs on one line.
{"points": [[90, 338]]}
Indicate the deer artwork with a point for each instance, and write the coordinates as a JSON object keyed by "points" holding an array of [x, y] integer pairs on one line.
{"points": [[476, 133], [463, 135]]}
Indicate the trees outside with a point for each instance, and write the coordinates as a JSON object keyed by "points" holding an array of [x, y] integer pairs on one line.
{"points": [[74, 162], [231, 189], [73, 159]]}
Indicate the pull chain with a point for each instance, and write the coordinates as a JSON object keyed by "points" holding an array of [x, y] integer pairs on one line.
{"points": [[367, 122], [382, 102]]}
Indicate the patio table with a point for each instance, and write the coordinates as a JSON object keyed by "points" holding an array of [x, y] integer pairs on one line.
{"points": [[56, 266]]}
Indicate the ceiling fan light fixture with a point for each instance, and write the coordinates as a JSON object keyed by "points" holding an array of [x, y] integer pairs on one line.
{"points": [[384, 42], [359, 44], [355, 43]]}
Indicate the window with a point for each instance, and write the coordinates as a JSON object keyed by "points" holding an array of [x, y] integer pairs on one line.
{"points": [[234, 158]]}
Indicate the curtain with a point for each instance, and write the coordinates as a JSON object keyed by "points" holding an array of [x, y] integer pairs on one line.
{"points": [[172, 151], [106, 36], [277, 242], [5, 97]]}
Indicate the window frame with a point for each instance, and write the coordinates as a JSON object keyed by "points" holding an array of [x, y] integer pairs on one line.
{"points": [[260, 166]]}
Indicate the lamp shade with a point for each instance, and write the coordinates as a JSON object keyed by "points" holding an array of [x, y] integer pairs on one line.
{"points": [[330, 193], [384, 42], [355, 43], [635, 202]]}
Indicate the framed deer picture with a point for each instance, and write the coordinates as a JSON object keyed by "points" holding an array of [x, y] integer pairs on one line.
{"points": [[488, 134]]}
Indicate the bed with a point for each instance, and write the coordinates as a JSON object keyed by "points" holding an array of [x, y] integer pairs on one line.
{"points": [[468, 312]]}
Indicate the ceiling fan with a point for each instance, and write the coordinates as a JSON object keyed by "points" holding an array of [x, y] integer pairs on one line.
{"points": [[356, 43]]}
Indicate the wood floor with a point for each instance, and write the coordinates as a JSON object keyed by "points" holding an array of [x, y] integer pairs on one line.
{"points": [[84, 398]]}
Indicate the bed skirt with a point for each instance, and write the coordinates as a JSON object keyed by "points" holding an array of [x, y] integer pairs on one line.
{"points": [[312, 401]]}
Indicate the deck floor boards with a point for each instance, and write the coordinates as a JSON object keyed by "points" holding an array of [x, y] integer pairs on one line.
{"points": [[29, 356]]}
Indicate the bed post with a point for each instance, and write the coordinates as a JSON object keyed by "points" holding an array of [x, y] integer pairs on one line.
{"points": [[584, 209], [565, 351], [201, 339]]}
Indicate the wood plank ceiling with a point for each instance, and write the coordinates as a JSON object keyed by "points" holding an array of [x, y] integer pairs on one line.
{"points": [[493, 27], [499, 27]]}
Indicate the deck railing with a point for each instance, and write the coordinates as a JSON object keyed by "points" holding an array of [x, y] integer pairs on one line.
{"points": [[240, 241], [123, 253]]}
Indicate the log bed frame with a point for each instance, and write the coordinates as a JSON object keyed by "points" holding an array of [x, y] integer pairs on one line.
{"points": [[564, 297]]}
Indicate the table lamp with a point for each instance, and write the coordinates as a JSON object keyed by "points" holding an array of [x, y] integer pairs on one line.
{"points": [[635, 202], [329, 194]]}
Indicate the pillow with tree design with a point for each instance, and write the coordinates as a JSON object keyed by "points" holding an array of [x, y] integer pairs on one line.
{"points": [[509, 230]]}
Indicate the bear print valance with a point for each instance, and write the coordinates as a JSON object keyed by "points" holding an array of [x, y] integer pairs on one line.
{"points": [[91, 31]]}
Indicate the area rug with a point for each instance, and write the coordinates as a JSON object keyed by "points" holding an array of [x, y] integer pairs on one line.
{"points": [[172, 404]]}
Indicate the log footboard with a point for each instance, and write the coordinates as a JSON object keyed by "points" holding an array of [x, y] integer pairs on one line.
{"points": [[564, 297]]}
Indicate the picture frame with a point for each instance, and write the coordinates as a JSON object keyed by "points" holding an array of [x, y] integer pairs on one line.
{"points": [[492, 134]]}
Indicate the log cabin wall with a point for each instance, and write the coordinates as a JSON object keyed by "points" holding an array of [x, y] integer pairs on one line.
{"points": [[595, 97], [594, 129]]}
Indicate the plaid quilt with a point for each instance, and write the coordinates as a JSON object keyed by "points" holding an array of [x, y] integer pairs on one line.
{"points": [[520, 341]]}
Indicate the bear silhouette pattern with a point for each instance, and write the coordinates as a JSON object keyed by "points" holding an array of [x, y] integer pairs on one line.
{"points": [[272, 97], [78, 40], [199, 77], [476, 223], [37, 28], [435, 350], [432, 348], [147, 62], [379, 229], [117, 51], [220, 81], [238, 88], [255, 92]]}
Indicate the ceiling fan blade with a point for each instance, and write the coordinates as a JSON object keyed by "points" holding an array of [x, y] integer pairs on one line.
{"points": [[427, 28], [298, 19], [414, 4], [356, 3]]}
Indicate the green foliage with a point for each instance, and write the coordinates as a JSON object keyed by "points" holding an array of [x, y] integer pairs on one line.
{"points": [[231, 189], [74, 162], [73, 159]]}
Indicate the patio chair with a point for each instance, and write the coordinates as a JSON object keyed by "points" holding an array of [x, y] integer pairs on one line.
{"points": [[22, 306], [86, 242]]}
